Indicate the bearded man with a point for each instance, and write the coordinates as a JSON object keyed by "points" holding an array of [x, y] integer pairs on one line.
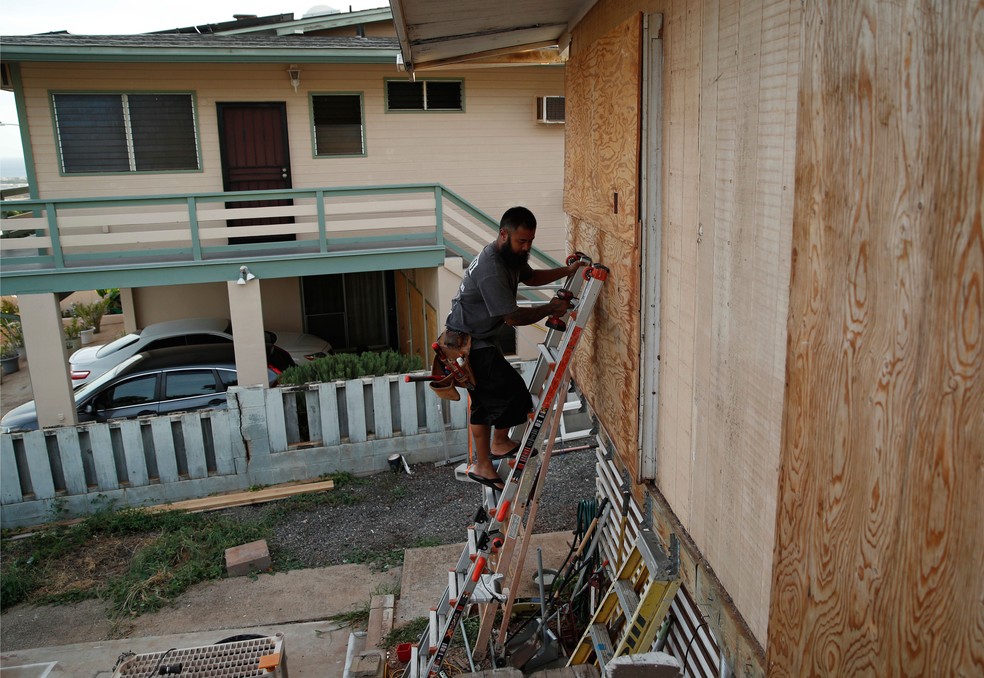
{"points": [[486, 301]]}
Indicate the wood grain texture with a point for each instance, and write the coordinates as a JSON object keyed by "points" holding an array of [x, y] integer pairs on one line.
{"points": [[606, 363], [879, 539], [603, 82], [601, 181]]}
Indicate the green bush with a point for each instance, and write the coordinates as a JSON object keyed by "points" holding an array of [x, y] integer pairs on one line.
{"points": [[350, 366], [90, 314]]}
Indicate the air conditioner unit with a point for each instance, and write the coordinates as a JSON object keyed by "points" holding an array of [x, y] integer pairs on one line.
{"points": [[550, 109]]}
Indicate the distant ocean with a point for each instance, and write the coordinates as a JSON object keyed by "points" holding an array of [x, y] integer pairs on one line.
{"points": [[12, 167]]}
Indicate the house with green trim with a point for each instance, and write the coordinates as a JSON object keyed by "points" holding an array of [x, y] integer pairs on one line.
{"points": [[353, 193]]}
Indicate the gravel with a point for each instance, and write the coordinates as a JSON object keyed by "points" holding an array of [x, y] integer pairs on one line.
{"points": [[390, 512]]}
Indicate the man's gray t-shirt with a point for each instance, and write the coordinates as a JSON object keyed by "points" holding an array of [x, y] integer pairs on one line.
{"points": [[487, 293]]}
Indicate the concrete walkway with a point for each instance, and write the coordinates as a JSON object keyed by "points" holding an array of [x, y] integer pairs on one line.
{"points": [[73, 640]]}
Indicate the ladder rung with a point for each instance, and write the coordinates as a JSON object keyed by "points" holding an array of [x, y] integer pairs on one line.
{"points": [[628, 599], [601, 643], [548, 355], [435, 630], [452, 585]]}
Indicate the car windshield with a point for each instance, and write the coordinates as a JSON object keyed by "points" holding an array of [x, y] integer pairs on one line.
{"points": [[114, 346], [100, 381]]}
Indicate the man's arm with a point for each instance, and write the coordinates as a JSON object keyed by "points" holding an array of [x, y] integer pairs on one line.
{"points": [[531, 314], [547, 276]]}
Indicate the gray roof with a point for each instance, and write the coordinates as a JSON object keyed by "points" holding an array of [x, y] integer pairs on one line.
{"points": [[191, 40], [190, 47]]}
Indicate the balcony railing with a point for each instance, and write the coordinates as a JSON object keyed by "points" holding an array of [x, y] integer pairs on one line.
{"points": [[67, 236]]}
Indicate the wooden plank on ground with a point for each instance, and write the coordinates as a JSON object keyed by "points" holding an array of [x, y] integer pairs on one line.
{"points": [[245, 498]]}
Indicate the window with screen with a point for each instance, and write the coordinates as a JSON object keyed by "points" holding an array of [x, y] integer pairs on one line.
{"points": [[126, 132], [424, 95], [338, 126]]}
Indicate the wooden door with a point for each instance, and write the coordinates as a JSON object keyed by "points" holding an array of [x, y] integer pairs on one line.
{"points": [[255, 157]]}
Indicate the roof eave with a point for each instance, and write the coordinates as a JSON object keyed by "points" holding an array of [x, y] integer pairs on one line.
{"points": [[198, 55]]}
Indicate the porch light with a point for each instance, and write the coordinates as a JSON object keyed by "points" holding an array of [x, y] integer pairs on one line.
{"points": [[294, 73], [244, 275]]}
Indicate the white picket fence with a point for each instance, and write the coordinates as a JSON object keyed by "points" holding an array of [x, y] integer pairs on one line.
{"points": [[266, 436]]}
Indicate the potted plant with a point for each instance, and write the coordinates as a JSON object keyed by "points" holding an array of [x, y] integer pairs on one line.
{"points": [[73, 335], [12, 334], [9, 358], [90, 314]]}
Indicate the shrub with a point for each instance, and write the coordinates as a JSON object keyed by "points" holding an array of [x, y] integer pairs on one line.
{"points": [[74, 329], [350, 366], [11, 332], [90, 314], [111, 297]]}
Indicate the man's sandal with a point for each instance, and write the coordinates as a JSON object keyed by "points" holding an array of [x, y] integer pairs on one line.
{"points": [[511, 453], [495, 483]]}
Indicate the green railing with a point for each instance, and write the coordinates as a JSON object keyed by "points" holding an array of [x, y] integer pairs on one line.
{"points": [[67, 243]]}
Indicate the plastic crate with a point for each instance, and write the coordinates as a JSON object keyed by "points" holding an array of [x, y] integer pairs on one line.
{"points": [[264, 657]]}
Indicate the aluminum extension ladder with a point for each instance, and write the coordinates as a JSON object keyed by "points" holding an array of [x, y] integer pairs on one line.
{"points": [[472, 581], [633, 609]]}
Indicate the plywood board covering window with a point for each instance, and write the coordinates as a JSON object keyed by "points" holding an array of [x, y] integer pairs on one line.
{"points": [[602, 160]]}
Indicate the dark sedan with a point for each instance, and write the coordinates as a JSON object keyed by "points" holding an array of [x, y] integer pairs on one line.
{"points": [[167, 380]]}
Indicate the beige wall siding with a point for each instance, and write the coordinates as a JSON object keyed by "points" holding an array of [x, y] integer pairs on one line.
{"points": [[729, 82], [494, 155], [281, 299], [750, 71]]}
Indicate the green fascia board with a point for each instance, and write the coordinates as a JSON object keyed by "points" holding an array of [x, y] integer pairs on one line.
{"points": [[226, 270], [254, 55]]}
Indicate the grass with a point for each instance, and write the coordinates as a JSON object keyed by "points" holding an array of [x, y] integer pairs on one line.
{"points": [[359, 617], [408, 633], [135, 559], [413, 629], [139, 561]]}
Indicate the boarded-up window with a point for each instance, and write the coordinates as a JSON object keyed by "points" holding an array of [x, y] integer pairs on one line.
{"points": [[338, 128], [424, 95], [126, 132]]}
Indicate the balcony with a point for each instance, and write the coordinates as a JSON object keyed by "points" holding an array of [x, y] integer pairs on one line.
{"points": [[66, 244]]}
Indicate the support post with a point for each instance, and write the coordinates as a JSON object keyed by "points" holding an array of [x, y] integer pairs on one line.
{"points": [[45, 344], [246, 312]]}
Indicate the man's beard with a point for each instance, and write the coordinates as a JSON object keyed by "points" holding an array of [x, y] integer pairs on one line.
{"points": [[513, 259]]}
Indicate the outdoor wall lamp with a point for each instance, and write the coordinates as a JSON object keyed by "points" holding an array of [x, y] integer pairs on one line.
{"points": [[294, 73], [244, 275]]}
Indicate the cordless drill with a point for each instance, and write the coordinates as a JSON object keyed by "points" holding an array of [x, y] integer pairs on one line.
{"points": [[555, 322]]}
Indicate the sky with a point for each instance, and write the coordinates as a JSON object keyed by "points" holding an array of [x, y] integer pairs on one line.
{"points": [[120, 17]]}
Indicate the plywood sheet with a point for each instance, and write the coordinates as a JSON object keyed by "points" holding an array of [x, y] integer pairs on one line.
{"points": [[607, 360], [601, 179], [879, 539]]}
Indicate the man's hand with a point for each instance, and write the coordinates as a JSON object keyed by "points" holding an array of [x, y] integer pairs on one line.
{"points": [[572, 268], [558, 306]]}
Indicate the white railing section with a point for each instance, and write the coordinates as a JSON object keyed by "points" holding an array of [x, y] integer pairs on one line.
{"points": [[266, 436]]}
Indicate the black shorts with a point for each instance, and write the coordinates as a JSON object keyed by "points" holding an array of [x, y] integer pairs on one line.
{"points": [[500, 397]]}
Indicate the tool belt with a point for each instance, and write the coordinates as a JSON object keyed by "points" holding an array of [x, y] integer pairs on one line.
{"points": [[451, 368]]}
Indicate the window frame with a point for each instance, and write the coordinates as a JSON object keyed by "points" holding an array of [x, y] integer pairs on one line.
{"points": [[193, 99], [424, 81], [314, 127]]}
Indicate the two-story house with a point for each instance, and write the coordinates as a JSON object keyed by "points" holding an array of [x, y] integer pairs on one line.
{"points": [[163, 163]]}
